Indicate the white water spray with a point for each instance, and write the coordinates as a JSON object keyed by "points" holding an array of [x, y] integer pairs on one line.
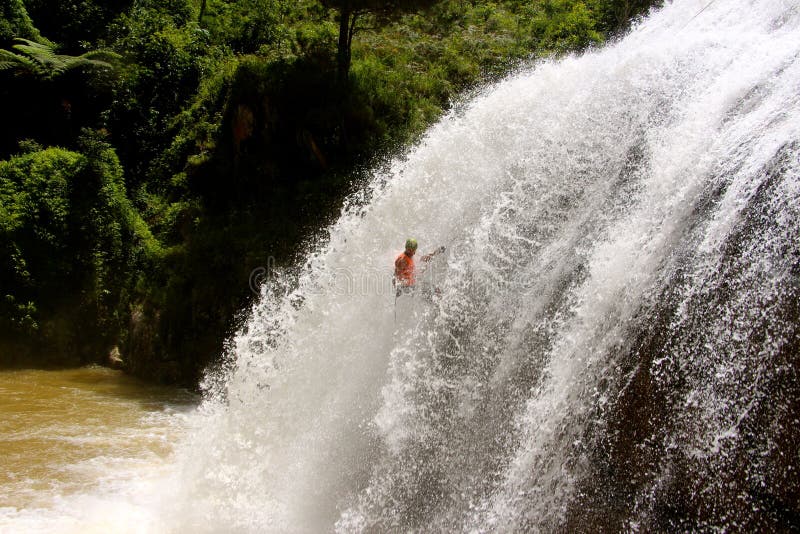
{"points": [[618, 306]]}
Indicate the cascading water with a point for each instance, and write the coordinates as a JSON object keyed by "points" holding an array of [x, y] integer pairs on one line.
{"points": [[615, 342]]}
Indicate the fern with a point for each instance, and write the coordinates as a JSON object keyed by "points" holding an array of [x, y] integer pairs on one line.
{"points": [[41, 59], [9, 60]]}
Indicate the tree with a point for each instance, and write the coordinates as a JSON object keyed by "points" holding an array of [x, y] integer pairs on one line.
{"points": [[15, 22], [350, 11], [76, 25]]}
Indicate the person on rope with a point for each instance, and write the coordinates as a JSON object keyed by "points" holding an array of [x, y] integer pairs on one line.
{"points": [[404, 269]]}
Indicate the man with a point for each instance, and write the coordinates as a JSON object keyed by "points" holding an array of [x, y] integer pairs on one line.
{"points": [[404, 274]]}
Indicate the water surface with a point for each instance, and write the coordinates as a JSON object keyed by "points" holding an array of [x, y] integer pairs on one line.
{"points": [[73, 440]]}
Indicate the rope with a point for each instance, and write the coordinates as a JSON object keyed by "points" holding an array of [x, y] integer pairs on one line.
{"points": [[698, 14]]}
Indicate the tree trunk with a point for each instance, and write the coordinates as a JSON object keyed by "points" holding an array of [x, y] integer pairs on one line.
{"points": [[202, 12], [345, 39]]}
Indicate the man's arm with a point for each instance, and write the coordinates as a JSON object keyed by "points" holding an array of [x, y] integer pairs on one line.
{"points": [[429, 257]]}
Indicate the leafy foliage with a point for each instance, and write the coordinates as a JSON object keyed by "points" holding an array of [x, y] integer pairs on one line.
{"points": [[77, 25], [73, 245], [15, 23], [162, 70], [247, 25]]}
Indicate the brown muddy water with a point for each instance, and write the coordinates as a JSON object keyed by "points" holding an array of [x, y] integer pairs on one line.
{"points": [[78, 448]]}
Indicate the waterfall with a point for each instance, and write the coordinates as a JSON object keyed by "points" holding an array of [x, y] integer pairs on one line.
{"points": [[609, 342]]}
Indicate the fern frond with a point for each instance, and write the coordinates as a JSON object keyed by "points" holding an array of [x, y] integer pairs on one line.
{"points": [[9, 60], [103, 56], [36, 51], [42, 59]]}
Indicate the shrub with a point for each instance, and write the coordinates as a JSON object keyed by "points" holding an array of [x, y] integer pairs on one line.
{"points": [[73, 245]]}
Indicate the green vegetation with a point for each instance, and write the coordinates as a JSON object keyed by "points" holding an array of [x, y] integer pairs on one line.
{"points": [[41, 60], [156, 152], [73, 246], [15, 23]]}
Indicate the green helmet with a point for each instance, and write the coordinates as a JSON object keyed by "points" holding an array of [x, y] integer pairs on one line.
{"points": [[411, 244]]}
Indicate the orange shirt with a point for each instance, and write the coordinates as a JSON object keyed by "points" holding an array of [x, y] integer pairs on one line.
{"points": [[404, 269]]}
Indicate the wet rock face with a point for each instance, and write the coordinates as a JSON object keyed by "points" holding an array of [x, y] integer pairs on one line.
{"points": [[704, 430], [642, 474], [147, 355]]}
